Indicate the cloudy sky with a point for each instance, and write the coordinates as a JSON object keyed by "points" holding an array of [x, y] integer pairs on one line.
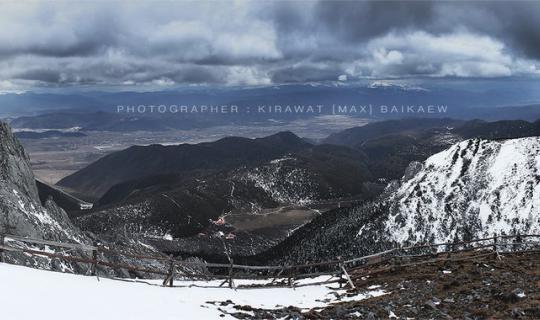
{"points": [[161, 44]]}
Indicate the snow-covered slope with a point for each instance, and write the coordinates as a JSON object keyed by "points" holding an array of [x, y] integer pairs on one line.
{"points": [[474, 189], [35, 294]]}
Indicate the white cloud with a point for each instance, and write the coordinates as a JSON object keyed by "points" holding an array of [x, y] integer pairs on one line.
{"points": [[247, 76], [382, 56], [420, 53]]}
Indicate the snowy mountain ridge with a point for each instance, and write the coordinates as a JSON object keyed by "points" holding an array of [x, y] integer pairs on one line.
{"points": [[476, 188]]}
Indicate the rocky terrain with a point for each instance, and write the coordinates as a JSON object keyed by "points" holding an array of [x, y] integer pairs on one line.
{"points": [[472, 286]]}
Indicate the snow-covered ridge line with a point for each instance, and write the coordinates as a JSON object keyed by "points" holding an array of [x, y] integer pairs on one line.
{"points": [[474, 189]]}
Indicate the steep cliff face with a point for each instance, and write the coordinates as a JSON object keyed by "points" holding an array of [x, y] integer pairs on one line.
{"points": [[474, 189], [23, 214], [14, 168], [21, 211]]}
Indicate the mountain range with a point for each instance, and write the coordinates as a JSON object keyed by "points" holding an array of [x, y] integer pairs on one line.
{"points": [[97, 111], [183, 203], [177, 191], [144, 161], [475, 189], [464, 180]]}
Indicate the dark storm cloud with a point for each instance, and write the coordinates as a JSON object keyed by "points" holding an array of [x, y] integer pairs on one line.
{"points": [[43, 75], [304, 73], [66, 43], [196, 74], [517, 23], [53, 33], [358, 20]]}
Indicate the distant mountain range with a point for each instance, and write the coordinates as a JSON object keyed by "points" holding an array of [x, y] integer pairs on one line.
{"points": [[391, 145], [98, 110], [387, 148]]}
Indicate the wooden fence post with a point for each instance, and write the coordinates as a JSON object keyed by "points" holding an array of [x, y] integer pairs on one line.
{"points": [[169, 280], [289, 277], [346, 274], [2, 242], [340, 259], [231, 283], [93, 269], [296, 274], [517, 242]]}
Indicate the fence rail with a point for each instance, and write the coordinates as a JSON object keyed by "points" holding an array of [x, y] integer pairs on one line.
{"points": [[335, 268]]}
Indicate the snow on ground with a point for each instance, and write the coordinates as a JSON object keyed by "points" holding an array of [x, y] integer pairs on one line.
{"points": [[38, 294]]}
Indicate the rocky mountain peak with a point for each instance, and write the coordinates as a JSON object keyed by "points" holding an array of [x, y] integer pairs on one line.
{"points": [[14, 164], [21, 211]]}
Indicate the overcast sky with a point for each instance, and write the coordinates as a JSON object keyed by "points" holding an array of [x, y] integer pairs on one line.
{"points": [[61, 44]]}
